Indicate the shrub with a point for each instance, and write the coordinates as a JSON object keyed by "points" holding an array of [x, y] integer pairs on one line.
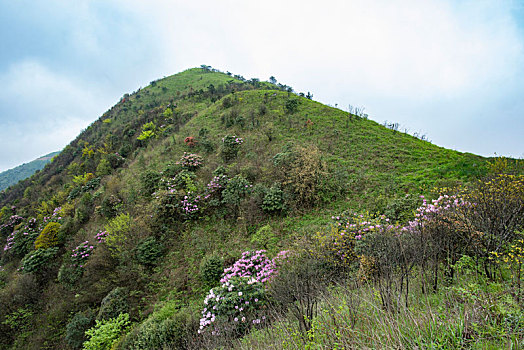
{"points": [[291, 105], [148, 251], [211, 269], [148, 132], [75, 329], [230, 147], [273, 200], [117, 230], [299, 285], [150, 181], [232, 307], [105, 333], [265, 238], [184, 180], [190, 161], [110, 206], [103, 167], [48, 237], [68, 274], [304, 175], [36, 260], [236, 190], [113, 304], [402, 209], [160, 333]]}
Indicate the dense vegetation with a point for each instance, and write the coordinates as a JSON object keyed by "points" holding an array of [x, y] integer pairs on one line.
{"points": [[207, 210], [12, 176]]}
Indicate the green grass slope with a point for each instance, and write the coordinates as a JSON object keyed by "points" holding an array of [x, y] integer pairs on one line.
{"points": [[300, 162]]}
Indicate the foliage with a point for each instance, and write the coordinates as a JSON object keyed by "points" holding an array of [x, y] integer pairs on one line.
{"points": [[149, 251], [114, 304], [148, 132], [117, 230], [190, 161], [230, 146], [265, 238], [211, 269], [150, 181], [159, 332], [292, 105], [36, 260], [302, 171], [105, 333], [76, 328], [273, 200], [48, 237], [235, 191]]}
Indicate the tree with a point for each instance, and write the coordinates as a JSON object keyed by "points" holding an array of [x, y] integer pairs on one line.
{"points": [[272, 80]]}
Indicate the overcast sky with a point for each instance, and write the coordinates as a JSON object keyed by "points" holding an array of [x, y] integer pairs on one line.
{"points": [[453, 70]]}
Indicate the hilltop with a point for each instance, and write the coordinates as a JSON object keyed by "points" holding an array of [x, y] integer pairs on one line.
{"points": [[138, 216]]}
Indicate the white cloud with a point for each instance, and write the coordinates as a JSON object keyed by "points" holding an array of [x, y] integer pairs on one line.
{"points": [[42, 111]]}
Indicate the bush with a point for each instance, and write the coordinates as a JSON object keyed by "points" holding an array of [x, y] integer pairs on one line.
{"points": [[190, 161], [36, 260], [105, 333], [68, 274], [117, 231], [236, 190], [150, 181], [76, 328], [148, 251], [230, 146], [211, 269], [156, 333], [265, 238], [113, 304], [299, 285], [402, 209], [292, 105], [302, 170], [273, 200], [48, 237]]}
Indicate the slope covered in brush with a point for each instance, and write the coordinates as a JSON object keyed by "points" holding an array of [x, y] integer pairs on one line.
{"points": [[149, 203]]}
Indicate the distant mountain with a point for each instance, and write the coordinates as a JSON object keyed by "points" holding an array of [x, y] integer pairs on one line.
{"points": [[12, 176]]}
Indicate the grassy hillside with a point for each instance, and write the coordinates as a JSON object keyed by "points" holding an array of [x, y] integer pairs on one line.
{"points": [[12, 176], [135, 220]]}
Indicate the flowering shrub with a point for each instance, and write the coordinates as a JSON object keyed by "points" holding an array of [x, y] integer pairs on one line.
{"points": [[216, 185], [338, 245], [10, 241], [101, 236], [22, 241], [81, 253], [230, 146], [190, 141], [235, 305], [55, 217], [189, 205], [190, 161], [252, 264], [10, 224], [37, 259]]}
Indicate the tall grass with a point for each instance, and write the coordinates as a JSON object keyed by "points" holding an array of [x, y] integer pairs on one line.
{"points": [[352, 317]]}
